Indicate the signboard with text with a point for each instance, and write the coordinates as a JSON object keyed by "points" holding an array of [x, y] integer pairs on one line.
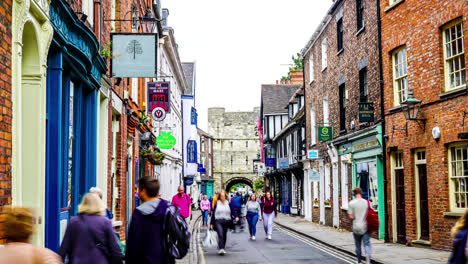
{"points": [[270, 162], [345, 149], [283, 163], [158, 96], [165, 140], [314, 176], [325, 133], [312, 154], [366, 112]]}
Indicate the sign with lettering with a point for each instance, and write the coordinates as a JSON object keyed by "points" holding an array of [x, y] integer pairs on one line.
{"points": [[325, 133], [134, 55], [270, 162], [345, 149], [366, 112], [312, 154], [314, 176], [159, 114], [366, 145], [283, 163], [165, 140], [158, 96]]}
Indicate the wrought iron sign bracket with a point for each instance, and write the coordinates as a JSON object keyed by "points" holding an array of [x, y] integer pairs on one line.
{"points": [[405, 129]]}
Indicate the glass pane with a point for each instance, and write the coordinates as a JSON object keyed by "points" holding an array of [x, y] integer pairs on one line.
{"points": [[453, 33], [460, 45], [447, 48], [452, 81], [70, 146], [453, 48], [459, 30], [463, 77]]}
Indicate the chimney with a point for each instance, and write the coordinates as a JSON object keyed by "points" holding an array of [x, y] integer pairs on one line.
{"points": [[296, 76], [165, 14]]}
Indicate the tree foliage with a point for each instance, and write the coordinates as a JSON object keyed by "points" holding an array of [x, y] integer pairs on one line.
{"points": [[258, 185], [297, 64]]}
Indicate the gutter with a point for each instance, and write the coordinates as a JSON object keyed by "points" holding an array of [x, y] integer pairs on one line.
{"points": [[382, 117]]}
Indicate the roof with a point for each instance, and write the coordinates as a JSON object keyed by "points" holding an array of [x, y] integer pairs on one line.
{"points": [[296, 94], [276, 96], [189, 72]]}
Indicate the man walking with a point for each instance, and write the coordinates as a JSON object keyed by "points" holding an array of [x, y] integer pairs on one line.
{"points": [[236, 203], [357, 211], [155, 229], [183, 202]]}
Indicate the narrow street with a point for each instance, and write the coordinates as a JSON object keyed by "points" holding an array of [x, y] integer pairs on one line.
{"points": [[285, 247]]}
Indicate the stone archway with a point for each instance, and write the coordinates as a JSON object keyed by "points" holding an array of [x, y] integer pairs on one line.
{"points": [[235, 180]]}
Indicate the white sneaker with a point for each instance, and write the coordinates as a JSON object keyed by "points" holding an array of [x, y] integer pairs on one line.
{"points": [[221, 252], [224, 252], [269, 237], [253, 237]]}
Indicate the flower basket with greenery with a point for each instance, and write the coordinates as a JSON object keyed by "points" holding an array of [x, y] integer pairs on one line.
{"points": [[328, 202], [157, 158], [316, 201]]}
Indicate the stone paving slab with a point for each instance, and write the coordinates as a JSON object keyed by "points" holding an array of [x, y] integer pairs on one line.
{"points": [[381, 252], [192, 255]]}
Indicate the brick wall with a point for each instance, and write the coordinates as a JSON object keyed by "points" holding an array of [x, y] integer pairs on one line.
{"points": [[423, 41], [356, 47], [5, 103]]}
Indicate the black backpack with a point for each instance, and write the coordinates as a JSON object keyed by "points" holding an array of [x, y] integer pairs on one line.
{"points": [[176, 233]]}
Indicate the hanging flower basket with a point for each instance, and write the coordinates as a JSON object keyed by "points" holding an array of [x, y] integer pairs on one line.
{"points": [[328, 202], [316, 201], [153, 157]]}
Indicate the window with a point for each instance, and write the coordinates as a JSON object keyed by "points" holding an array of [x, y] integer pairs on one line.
{"points": [[342, 107], [363, 85], [327, 183], [324, 54], [313, 129], [360, 14], [344, 185], [202, 142], [454, 56], [400, 76], [210, 142], [87, 7], [293, 191], [315, 190], [339, 34], [311, 68], [326, 115], [367, 181], [192, 151], [458, 173], [193, 116]]}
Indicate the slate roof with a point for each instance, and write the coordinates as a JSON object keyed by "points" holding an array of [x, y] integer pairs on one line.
{"points": [[189, 73], [276, 96]]}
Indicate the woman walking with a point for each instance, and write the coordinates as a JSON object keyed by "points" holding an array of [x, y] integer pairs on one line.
{"points": [[222, 219], [252, 214], [460, 234], [18, 226], [89, 237], [269, 212], [205, 207]]}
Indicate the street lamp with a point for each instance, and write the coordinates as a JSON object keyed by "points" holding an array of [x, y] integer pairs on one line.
{"points": [[410, 108]]}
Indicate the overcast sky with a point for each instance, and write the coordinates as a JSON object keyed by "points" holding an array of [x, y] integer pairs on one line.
{"points": [[239, 45]]}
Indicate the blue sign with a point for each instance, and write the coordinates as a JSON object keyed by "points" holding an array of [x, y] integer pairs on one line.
{"points": [[284, 163], [270, 162], [312, 154], [188, 181]]}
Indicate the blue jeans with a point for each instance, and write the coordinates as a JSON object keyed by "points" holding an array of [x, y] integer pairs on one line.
{"points": [[205, 216], [367, 247], [252, 219]]}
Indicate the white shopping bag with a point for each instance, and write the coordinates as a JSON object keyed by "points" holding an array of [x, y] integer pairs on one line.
{"points": [[211, 239]]}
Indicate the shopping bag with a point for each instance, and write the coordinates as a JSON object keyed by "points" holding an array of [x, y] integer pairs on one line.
{"points": [[211, 239], [372, 219]]}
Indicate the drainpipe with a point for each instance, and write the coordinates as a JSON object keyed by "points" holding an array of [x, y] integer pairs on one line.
{"points": [[382, 117]]}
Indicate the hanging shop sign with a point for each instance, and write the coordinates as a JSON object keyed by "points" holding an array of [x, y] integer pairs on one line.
{"points": [[312, 154], [314, 176], [158, 96], [165, 140], [325, 133], [283, 163], [188, 181], [366, 112], [134, 55], [345, 149], [270, 162], [159, 114]]}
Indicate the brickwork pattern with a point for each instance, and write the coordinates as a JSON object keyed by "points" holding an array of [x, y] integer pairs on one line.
{"points": [[423, 41]]}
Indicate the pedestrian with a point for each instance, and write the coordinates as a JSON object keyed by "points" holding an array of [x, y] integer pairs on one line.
{"points": [[252, 212], [98, 191], [205, 207], [154, 228], [221, 219], [215, 199], [269, 212], [211, 202], [236, 203], [18, 227], [200, 198], [357, 211], [183, 202], [89, 237], [460, 235]]}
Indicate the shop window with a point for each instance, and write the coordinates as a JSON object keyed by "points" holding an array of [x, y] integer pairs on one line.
{"points": [[454, 56], [344, 185], [294, 191], [367, 180], [458, 173], [400, 76], [192, 151]]}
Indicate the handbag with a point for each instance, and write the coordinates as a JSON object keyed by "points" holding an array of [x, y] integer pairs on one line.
{"points": [[372, 219], [103, 248], [211, 239]]}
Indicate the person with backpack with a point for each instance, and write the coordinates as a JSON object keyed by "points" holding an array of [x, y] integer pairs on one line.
{"points": [[358, 210], [183, 202], [157, 232], [236, 203], [460, 239], [222, 218], [89, 237]]}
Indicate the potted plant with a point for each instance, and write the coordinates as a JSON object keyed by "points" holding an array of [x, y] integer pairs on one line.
{"points": [[158, 158], [316, 201], [327, 202]]}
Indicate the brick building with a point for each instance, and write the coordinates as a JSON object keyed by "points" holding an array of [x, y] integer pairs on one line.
{"points": [[206, 162], [341, 65], [427, 158]]}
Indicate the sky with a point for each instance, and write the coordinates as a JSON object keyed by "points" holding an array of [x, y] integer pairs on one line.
{"points": [[240, 45]]}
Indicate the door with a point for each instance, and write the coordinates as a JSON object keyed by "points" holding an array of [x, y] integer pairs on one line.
{"points": [[423, 202], [400, 206]]}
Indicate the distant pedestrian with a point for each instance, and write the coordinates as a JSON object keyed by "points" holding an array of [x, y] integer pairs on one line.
{"points": [[96, 190], [236, 203], [357, 211], [211, 202], [252, 212], [89, 237], [158, 233], [183, 202], [18, 226], [205, 207], [200, 197], [269, 212], [460, 246], [221, 219]]}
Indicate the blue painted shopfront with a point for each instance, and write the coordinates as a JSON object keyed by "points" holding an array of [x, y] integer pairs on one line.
{"points": [[73, 79]]}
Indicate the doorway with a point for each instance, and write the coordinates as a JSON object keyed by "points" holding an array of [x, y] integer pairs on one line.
{"points": [[400, 198], [422, 195]]}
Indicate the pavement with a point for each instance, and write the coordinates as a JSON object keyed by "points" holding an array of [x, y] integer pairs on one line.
{"points": [[193, 256], [285, 247], [344, 241]]}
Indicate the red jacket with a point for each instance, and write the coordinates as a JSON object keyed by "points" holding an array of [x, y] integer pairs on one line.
{"points": [[268, 206]]}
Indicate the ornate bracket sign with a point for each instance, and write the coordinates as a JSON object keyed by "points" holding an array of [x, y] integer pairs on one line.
{"points": [[159, 114], [165, 140], [158, 95], [366, 112], [325, 133]]}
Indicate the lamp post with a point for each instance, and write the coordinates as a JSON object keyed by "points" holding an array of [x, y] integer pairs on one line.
{"points": [[410, 108]]}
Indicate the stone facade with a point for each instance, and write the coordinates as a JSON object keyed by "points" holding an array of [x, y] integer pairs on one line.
{"points": [[236, 145], [442, 107]]}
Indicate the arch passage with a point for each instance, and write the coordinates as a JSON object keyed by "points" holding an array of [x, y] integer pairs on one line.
{"points": [[235, 180]]}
